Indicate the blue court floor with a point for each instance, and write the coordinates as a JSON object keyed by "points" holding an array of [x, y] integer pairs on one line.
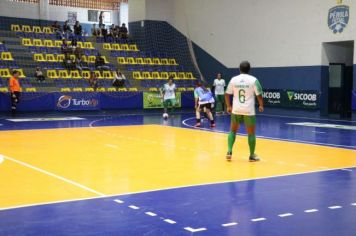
{"points": [[316, 203]]}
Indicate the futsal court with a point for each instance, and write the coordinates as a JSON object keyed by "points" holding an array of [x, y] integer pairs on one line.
{"points": [[137, 174]]}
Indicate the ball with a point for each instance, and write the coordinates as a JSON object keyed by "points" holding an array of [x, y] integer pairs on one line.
{"points": [[165, 116]]}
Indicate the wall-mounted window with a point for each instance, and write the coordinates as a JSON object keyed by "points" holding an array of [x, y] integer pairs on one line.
{"points": [[28, 1], [89, 4]]}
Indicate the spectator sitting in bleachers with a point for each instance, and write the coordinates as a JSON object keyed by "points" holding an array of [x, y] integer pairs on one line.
{"points": [[123, 32], [68, 63], [64, 47], [39, 75], [66, 28], [84, 64], [57, 29], [78, 31], [100, 63], [93, 81], [73, 45], [95, 31], [78, 52], [119, 79]]}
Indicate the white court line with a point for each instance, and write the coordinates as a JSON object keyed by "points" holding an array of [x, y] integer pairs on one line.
{"points": [[258, 219], [346, 170], [353, 204], [334, 207], [55, 176], [171, 188], [311, 210], [190, 229], [184, 122], [169, 221], [301, 165], [118, 201], [1, 159], [150, 213], [285, 215], [112, 146], [134, 207], [229, 224], [318, 132]]}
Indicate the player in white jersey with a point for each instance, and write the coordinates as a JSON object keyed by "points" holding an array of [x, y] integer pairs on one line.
{"points": [[219, 84], [168, 93], [244, 88]]}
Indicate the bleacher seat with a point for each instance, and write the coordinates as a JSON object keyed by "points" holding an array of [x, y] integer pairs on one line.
{"points": [[30, 89], [122, 60], [6, 56], [89, 90], [77, 89], [26, 42], [156, 61], [172, 61], [26, 28], [136, 75], [133, 47], [107, 46], [52, 74], [50, 58], [21, 73], [91, 59], [65, 89], [98, 74], [38, 57], [74, 74], [112, 89], [148, 61], [63, 74], [164, 75], [48, 43], [47, 30], [146, 75], [125, 47], [108, 75], [37, 42], [16, 28], [88, 45], [4, 90], [173, 75], [156, 75], [37, 29], [133, 89], [5, 73], [86, 74], [189, 75], [164, 61], [131, 61]]}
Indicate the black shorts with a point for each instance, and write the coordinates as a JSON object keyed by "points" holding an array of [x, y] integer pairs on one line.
{"points": [[15, 97], [206, 105]]}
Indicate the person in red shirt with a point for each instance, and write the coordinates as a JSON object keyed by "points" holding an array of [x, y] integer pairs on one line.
{"points": [[14, 91]]}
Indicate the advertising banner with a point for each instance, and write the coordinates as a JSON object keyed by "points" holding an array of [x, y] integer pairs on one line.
{"points": [[77, 101], [354, 100], [152, 100], [304, 99]]}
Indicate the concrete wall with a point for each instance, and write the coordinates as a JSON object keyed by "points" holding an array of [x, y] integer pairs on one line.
{"points": [[268, 33]]}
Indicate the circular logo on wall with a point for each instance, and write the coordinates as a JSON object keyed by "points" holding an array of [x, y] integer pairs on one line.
{"points": [[64, 101]]}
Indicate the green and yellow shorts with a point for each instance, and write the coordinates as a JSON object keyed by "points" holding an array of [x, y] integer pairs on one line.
{"points": [[247, 120]]}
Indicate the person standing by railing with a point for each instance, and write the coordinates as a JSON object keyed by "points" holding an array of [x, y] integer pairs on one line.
{"points": [[15, 90]]}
